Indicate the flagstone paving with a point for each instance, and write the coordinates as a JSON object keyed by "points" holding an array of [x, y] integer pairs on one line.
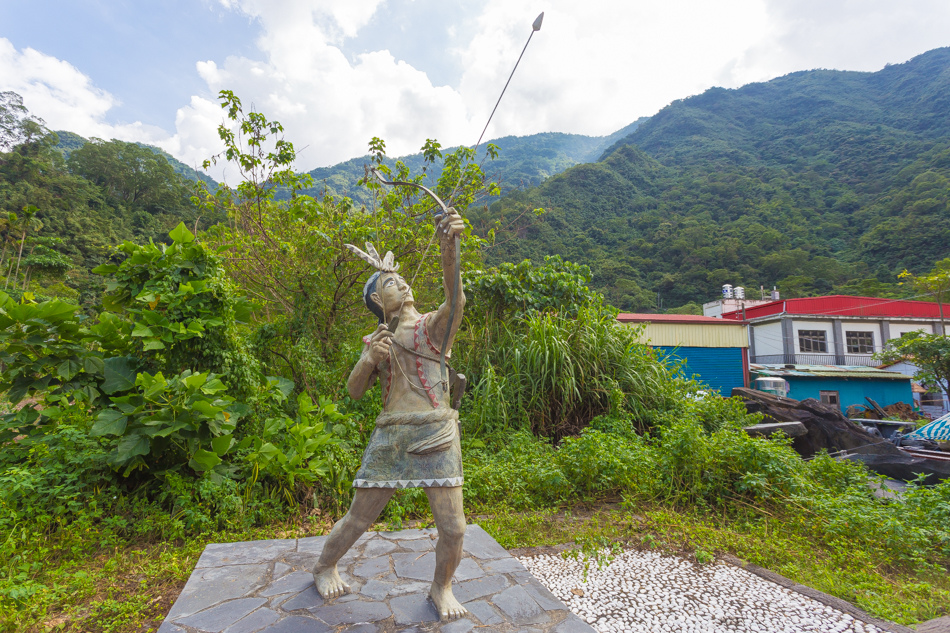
{"points": [[266, 586]]}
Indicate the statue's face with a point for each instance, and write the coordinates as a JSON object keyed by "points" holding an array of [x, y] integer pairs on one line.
{"points": [[391, 292]]}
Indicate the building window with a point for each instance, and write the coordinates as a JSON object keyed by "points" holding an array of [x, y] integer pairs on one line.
{"points": [[860, 342], [812, 341], [829, 397], [931, 399]]}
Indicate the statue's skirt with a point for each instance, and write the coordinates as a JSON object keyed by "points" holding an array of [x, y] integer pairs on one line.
{"points": [[413, 449]]}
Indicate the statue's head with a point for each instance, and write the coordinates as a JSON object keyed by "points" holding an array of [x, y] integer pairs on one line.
{"points": [[385, 293]]}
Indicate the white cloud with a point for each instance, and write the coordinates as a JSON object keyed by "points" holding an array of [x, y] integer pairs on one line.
{"points": [[593, 67], [847, 34], [64, 97]]}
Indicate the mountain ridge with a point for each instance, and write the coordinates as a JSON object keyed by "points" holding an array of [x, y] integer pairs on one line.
{"points": [[816, 180]]}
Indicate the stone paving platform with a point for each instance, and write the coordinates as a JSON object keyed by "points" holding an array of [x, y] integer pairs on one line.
{"points": [[267, 586]]}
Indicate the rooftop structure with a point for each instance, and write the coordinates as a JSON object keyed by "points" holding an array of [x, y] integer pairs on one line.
{"points": [[843, 306]]}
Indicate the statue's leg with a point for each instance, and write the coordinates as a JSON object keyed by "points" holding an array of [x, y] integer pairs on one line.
{"points": [[366, 506], [446, 504]]}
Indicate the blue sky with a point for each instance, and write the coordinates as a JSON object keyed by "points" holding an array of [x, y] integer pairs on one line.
{"points": [[142, 51], [337, 72]]}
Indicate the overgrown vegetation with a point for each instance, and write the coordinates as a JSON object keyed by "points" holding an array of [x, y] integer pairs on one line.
{"points": [[200, 399]]}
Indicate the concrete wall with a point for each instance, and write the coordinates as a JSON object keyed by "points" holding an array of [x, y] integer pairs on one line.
{"points": [[768, 338], [897, 328]]}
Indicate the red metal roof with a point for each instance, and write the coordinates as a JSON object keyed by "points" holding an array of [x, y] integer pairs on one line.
{"points": [[634, 317], [842, 305]]}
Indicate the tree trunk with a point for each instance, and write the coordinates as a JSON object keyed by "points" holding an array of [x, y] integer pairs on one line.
{"points": [[9, 271], [3, 255], [19, 255]]}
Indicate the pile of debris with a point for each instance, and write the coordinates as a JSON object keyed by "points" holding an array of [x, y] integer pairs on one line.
{"points": [[826, 428], [874, 411]]}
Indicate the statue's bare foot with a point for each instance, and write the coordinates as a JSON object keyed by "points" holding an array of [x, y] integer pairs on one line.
{"points": [[445, 603], [328, 582]]}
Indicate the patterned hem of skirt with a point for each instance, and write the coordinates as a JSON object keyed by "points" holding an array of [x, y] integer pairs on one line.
{"points": [[443, 482]]}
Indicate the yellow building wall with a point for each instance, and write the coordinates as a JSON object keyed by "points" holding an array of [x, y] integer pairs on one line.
{"points": [[693, 335]]}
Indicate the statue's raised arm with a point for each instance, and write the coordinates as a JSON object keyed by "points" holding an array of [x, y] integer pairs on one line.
{"points": [[445, 323]]}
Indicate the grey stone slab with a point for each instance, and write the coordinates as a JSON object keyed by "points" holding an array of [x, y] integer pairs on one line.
{"points": [[298, 624], [377, 589], [247, 553], [485, 613], [222, 616], [573, 624], [408, 535], [472, 589], [463, 625], [207, 587], [364, 627], [371, 567], [515, 603], [255, 621], [481, 545], [309, 598], [422, 566], [410, 586], [280, 569], [311, 544], [939, 625], [502, 565], [291, 583], [413, 609], [354, 612], [419, 545], [168, 627], [545, 599], [378, 547]]}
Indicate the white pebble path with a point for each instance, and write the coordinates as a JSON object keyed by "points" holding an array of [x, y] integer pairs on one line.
{"points": [[650, 592]]}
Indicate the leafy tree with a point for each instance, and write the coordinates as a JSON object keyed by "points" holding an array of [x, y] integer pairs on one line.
{"points": [[936, 283], [129, 173], [16, 124], [289, 255], [929, 352], [183, 310]]}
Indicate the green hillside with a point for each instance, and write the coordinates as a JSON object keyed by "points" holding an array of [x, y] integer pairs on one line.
{"points": [[815, 181], [69, 141], [523, 161], [66, 201]]}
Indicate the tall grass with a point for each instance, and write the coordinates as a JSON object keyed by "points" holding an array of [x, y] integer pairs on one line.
{"points": [[552, 375]]}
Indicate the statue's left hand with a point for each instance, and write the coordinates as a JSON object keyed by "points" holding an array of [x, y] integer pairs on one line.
{"points": [[451, 224]]}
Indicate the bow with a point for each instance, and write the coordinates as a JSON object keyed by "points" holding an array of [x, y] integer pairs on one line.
{"points": [[453, 306]]}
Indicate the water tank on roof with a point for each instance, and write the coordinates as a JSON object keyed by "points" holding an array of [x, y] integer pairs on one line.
{"points": [[775, 295], [740, 292], [727, 291]]}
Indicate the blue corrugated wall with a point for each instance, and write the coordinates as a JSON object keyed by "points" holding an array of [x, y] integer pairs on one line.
{"points": [[851, 391], [718, 367]]}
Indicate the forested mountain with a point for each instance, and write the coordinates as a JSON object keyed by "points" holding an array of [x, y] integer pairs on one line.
{"points": [[69, 141], [815, 181], [523, 161], [66, 202]]}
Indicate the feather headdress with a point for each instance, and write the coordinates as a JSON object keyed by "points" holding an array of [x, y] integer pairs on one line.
{"points": [[371, 256]]}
